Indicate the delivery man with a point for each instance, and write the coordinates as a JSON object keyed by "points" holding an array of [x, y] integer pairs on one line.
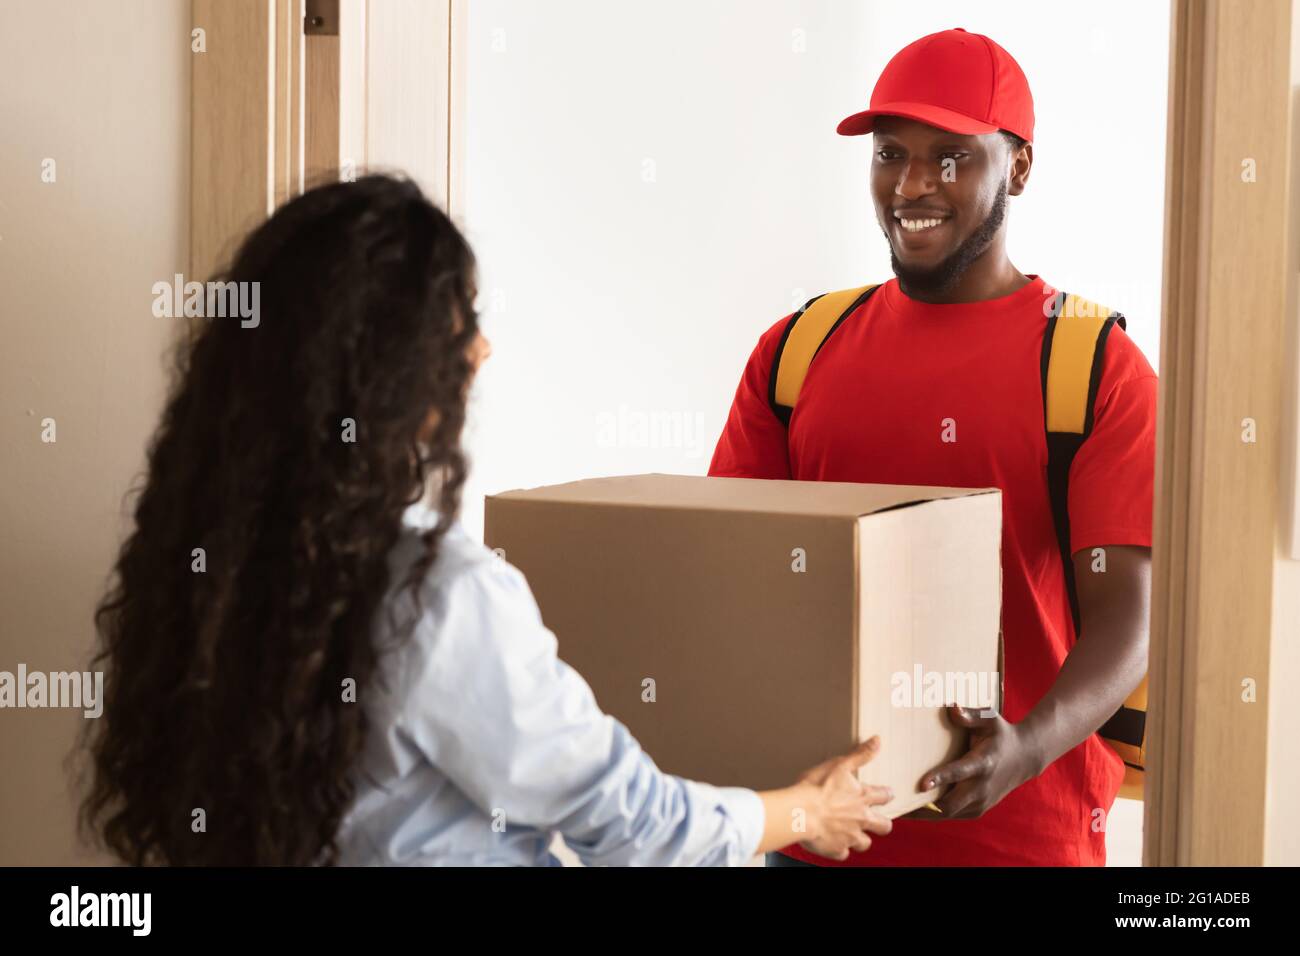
{"points": [[963, 371]]}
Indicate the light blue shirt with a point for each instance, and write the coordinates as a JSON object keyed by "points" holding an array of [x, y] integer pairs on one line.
{"points": [[483, 744]]}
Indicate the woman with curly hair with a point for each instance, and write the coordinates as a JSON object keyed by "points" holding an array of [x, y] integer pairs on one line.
{"points": [[308, 660]]}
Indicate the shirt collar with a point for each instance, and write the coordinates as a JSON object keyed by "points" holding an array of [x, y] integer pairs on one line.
{"points": [[419, 517]]}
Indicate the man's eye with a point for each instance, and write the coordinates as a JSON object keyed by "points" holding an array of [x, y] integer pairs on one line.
{"points": [[953, 155], [884, 155]]}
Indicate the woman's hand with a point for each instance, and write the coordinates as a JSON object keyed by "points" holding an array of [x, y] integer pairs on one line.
{"points": [[829, 811], [845, 813]]}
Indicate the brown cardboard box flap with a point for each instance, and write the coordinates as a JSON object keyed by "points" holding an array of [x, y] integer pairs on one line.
{"points": [[690, 492]]}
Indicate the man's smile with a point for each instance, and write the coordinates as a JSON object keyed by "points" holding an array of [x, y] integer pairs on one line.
{"points": [[914, 229]]}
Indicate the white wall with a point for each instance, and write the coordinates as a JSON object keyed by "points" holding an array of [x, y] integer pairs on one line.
{"points": [[605, 292], [650, 186], [103, 90]]}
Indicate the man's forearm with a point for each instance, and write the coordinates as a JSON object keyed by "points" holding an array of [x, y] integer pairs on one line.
{"points": [[1108, 659], [1099, 673]]}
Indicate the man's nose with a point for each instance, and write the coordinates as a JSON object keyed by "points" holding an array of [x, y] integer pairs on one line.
{"points": [[917, 179]]}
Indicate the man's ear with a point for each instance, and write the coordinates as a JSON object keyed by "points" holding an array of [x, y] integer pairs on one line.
{"points": [[1021, 162]]}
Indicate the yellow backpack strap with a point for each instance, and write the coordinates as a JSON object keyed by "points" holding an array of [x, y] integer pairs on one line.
{"points": [[1074, 345], [804, 335], [1126, 734]]}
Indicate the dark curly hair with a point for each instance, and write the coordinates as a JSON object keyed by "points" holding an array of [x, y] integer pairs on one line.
{"points": [[224, 686]]}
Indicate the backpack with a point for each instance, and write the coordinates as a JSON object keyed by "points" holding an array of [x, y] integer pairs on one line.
{"points": [[1070, 371]]}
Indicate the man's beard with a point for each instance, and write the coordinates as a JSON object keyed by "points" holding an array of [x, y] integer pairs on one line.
{"points": [[936, 280]]}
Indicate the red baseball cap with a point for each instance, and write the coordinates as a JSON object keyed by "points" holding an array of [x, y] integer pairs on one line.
{"points": [[958, 81]]}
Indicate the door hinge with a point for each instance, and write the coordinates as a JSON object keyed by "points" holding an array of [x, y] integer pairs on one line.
{"points": [[322, 19]]}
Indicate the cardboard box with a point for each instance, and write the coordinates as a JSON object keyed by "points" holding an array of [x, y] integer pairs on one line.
{"points": [[745, 630]]}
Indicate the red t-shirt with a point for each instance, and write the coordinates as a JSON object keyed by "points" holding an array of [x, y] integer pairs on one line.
{"points": [[873, 409]]}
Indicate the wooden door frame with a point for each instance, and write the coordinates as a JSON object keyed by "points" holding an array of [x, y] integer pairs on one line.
{"points": [[1217, 503], [273, 110], [233, 105]]}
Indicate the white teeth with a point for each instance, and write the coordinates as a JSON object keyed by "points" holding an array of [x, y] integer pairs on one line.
{"points": [[916, 225]]}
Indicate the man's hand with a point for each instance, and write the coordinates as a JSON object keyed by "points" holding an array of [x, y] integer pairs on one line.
{"points": [[1001, 757]]}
